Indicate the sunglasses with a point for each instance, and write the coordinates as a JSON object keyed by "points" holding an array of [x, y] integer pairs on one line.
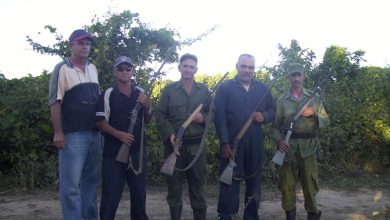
{"points": [[121, 69]]}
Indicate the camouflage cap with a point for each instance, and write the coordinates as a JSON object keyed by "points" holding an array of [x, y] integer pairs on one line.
{"points": [[295, 68]]}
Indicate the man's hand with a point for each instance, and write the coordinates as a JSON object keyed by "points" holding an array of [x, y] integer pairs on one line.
{"points": [[283, 147], [125, 137], [227, 151], [198, 118], [259, 117], [144, 100], [59, 140], [308, 112]]}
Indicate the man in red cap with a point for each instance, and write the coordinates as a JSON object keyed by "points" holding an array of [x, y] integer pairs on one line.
{"points": [[73, 94]]}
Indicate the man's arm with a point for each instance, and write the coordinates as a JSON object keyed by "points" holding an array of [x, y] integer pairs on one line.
{"points": [[275, 131], [322, 116], [59, 138], [269, 113], [163, 125], [124, 137], [220, 114]]}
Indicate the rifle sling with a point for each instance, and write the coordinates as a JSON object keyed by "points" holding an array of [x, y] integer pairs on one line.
{"points": [[202, 141]]}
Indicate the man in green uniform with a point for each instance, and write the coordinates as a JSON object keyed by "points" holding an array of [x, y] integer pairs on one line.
{"points": [[177, 101], [301, 158]]}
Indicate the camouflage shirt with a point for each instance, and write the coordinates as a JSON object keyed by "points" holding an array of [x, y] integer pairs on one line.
{"points": [[175, 106], [286, 108]]}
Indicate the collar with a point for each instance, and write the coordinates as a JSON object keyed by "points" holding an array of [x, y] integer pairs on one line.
{"points": [[70, 64], [179, 84], [305, 92]]}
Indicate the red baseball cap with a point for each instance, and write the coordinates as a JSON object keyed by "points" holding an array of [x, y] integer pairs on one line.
{"points": [[80, 34]]}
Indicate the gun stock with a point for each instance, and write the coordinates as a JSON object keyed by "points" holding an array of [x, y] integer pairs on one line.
{"points": [[124, 151], [169, 165], [227, 174], [279, 156], [123, 154]]}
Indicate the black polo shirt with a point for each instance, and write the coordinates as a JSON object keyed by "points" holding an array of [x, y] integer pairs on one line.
{"points": [[118, 114]]}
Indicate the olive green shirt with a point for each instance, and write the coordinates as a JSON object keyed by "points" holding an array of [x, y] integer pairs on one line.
{"points": [[175, 106], [286, 108]]}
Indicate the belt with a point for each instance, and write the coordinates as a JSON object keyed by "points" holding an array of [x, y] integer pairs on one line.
{"points": [[189, 140], [303, 135]]}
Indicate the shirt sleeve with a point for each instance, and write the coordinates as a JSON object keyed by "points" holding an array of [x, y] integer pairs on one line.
{"points": [[275, 131], [269, 113], [100, 111], [322, 116], [56, 85], [163, 124], [220, 114]]}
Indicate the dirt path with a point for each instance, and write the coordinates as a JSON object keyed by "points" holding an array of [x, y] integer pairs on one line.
{"points": [[360, 204]]}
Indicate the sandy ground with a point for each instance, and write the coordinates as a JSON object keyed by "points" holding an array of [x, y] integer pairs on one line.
{"points": [[358, 204]]}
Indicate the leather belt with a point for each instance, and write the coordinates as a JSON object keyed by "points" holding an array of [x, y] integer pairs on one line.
{"points": [[303, 135], [190, 140]]}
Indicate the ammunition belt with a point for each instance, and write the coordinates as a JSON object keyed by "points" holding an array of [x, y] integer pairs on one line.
{"points": [[190, 140], [303, 135]]}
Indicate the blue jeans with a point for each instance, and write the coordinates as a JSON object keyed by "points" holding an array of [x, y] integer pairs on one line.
{"points": [[79, 168]]}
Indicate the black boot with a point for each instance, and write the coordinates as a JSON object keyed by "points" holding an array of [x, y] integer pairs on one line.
{"points": [[175, 212], [291, 215], [312, 216], [200, 214]]}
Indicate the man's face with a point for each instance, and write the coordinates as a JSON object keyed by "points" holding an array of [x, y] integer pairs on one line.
{"points": [[296, 80], [123, 72], [245, 69], [188, 68], [81, 48]]}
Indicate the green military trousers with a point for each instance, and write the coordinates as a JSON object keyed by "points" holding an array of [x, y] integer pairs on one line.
{"points": [[195, 176], [300, 169]]}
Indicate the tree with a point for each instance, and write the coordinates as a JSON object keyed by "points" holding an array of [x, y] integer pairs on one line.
{"points": [[124, 34]]}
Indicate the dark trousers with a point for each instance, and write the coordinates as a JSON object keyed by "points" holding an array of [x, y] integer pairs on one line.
{"points": [[195, 176], [115, 174], [248, 161]]}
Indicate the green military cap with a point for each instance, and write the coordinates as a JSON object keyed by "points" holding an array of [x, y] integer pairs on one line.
{"points": [[295, 68]]}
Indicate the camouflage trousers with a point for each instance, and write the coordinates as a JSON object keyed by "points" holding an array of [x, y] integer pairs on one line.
{"points": [[297, 169]]}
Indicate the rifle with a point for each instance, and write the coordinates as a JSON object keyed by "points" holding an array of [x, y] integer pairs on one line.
{"points": [[169, 165], [227, 174], [279, 156], [124, 155]]}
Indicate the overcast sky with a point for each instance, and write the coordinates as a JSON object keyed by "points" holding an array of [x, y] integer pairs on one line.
{"points": [[245, 26]]}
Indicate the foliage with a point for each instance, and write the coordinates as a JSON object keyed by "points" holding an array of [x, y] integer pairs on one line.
{"points": [[117, 34], [357, 100], [27, 159]]}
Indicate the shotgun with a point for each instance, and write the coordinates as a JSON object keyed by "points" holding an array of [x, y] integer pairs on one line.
{"points": [[279, 156], [227, 174], [169, 165], [123, 155]]}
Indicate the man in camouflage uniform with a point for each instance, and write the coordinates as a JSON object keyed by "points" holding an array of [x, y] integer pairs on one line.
{"points": [[177, 101], [301, 158]]}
